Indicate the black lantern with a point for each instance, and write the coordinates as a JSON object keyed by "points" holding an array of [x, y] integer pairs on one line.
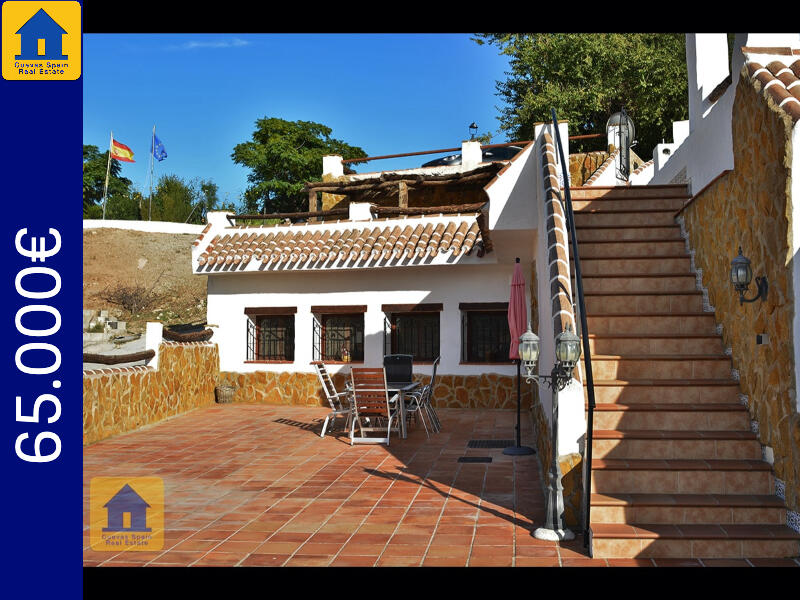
{"points": [[626, 136], [473, 129], [742, 275]]}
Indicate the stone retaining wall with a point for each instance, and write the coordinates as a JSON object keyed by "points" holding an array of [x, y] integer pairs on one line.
{"points": [[116, 400], [489, 390], [751, 207]]}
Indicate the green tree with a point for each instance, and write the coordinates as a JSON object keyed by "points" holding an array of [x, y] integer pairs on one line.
{"points": [[588, 76], [95, 164], [282, 156], [173, 199], [183, 202]]}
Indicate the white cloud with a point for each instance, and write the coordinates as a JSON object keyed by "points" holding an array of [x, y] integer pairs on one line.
{"points": [[232, 43]]}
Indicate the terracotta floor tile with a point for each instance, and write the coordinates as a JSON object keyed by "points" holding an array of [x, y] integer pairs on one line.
{"points": [[265, 560], [773, 562], [530, 561]]}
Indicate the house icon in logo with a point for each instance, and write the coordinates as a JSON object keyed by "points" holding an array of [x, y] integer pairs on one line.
{"points": [[41, 27], [126, 502]]}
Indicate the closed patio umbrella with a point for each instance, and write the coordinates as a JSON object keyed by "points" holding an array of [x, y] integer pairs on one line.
{"points": [[517, 321]]}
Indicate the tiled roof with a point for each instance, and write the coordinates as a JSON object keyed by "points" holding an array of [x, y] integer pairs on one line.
{"points": [[780, 78], [379, 242], [641, 168]]}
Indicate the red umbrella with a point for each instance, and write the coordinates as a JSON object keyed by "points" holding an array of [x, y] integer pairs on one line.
{"points": [[517, 311], [517, 324]]}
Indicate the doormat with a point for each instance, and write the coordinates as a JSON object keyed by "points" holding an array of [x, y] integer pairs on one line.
{"points": [[490, 443]]}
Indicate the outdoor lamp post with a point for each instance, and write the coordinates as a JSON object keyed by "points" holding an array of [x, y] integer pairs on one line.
{"points": [[742, 275], [568, 352], [625, 134], [473, 129]]}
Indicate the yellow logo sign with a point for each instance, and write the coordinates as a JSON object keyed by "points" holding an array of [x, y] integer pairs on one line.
{"points": [[126, 513], [41, 41]]}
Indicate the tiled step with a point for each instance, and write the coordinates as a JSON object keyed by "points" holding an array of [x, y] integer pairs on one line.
{"points": [[679, 444], [607, 233], [622, 265], [647, 284], [694, 541], [630, 191], [632, 303], [688, 508], [662, 391], [657, 217], [656, 367], [687, 344], [681, 476], [673, 203], [671, 416], [652, 324], [631, 248]]}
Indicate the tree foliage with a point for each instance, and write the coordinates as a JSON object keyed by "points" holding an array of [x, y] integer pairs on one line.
{"points": [[95, 165], [183, 202], [588, 76], [282, 156]]}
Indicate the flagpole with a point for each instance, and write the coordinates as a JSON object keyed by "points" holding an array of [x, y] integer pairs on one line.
{"points": [[152, 153], [108, 171]]}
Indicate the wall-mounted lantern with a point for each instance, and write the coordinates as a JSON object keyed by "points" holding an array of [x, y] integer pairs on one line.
{"points": [[568, 352], [742, 275]]}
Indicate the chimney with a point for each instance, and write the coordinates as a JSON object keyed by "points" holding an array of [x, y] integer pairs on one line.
{"points": [[471, 154]]}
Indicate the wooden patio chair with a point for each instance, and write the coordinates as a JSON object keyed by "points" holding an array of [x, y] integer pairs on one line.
{"points": [[338, 401], [371, 406]]}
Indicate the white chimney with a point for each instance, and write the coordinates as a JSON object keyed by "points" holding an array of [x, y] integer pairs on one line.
{"points": [[471, 154]]}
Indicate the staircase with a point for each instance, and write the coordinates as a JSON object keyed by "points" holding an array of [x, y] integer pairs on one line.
{"points": [[676, 470]]}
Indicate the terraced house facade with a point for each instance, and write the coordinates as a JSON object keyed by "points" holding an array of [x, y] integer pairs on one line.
{"points": [[695, 431]]}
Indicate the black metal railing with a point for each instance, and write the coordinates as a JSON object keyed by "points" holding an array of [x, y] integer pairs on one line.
{"points": [[584, 334]]}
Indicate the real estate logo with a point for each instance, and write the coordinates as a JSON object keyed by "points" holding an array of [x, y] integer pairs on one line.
{"points": [[41, 41], [126, 513]]}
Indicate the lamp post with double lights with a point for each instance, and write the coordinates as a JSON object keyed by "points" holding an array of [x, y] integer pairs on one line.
{"points": [[568, 352]]}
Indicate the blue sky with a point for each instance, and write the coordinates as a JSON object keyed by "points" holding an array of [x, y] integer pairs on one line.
{"points": [[388, 93]]}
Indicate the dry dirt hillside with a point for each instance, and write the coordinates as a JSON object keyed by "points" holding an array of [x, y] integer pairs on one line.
{"points": [[140, 277]]}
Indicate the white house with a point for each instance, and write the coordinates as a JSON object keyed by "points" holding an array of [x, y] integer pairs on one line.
{"points": [[431, 280]]}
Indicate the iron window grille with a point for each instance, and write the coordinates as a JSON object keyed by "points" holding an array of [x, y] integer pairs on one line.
{"points": [[485, 336], [333, 333], [414, 333], [270, 338]]}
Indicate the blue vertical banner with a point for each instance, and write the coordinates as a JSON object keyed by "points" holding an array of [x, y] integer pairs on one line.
{"points": [[41, 161]]}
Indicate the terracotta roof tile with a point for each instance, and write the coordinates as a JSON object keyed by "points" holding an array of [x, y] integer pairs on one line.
{"points": [[780, 78], [324, 244]]}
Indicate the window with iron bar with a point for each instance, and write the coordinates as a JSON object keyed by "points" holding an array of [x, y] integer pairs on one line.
{"points": [[270, 338]]}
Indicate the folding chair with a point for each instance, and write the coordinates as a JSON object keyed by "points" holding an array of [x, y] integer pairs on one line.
{"points": [[371, 406], [338, 401], [422, 401]]}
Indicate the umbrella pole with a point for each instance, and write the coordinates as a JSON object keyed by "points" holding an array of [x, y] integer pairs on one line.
{"points": [[519, 449]]}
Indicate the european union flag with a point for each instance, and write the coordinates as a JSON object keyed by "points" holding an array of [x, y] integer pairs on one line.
{"points": [[159, 152]]}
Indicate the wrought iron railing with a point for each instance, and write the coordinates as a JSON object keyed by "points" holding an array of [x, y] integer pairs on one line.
{"points": [[584, 334]]}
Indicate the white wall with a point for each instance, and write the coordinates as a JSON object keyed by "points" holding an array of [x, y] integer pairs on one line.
{"points": [[230, 294], [149, 226]]}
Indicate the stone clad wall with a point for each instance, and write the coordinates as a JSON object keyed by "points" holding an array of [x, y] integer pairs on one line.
{"points": [[116, 400], [751, 207], [302, 389]]}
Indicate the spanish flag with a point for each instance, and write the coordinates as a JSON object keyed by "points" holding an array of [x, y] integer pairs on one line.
{"points": [[121, 151]]}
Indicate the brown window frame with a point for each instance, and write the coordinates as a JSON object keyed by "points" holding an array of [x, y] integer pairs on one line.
{"points": [[497, 309], [255, 325]]}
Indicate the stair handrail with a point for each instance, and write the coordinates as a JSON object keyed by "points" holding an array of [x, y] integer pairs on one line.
{"points": [[584, 334]]}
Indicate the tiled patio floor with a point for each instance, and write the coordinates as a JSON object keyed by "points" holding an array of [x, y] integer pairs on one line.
{"points": [[256, 485]]}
